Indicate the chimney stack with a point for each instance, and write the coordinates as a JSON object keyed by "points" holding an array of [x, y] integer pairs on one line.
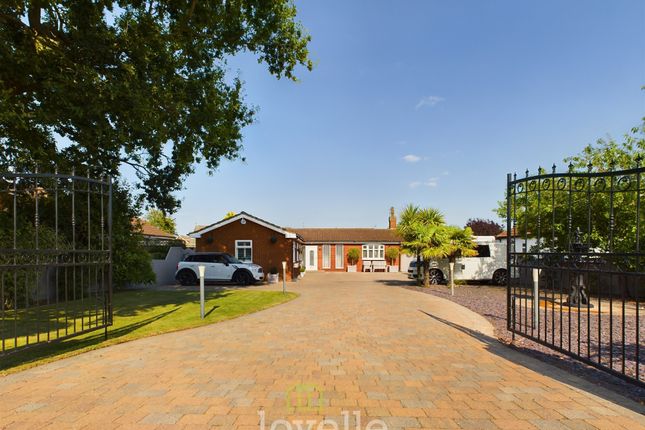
{"points": [[392, 219]]}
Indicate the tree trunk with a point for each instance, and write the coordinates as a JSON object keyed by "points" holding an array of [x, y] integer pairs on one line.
{"points": [[426, 274], [418, 269]]}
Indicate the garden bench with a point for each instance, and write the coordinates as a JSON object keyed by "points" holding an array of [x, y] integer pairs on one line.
{"points": [[379, 265]]}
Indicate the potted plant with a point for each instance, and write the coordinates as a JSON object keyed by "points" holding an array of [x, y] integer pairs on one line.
{"points": [[391, 254], [273, 275], [302, 271], [352, 259]]}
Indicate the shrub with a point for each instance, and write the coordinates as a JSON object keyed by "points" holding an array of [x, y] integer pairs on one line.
{"points": [[392, 254], [352, 256]]}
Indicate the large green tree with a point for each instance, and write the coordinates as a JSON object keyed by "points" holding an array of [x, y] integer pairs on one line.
{"points": [[162, 221], [142, 83], [590, 202]]}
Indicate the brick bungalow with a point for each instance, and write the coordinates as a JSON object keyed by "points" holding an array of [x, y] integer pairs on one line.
{"points": [[249, 238], [326, 248]]}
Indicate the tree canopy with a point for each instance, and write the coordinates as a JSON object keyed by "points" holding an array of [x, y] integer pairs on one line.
{"points": [[161, 221], [419, 230], [484, 227], [425, 234], [591, 207], [454, 242], [142, 83]]}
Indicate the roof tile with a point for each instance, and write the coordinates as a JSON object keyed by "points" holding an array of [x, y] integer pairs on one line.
{"points": [[346, 235]]}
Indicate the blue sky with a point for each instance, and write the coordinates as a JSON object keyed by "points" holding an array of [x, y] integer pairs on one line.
{"points": [[426, 102]]}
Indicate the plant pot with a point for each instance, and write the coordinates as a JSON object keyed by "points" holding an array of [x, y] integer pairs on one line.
{"points": [[273, 278], [392, 268], [302, 274], [351, 268]]}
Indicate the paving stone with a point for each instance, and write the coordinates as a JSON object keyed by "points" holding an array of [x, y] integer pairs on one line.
{"points": [[161, 418], [362, 346]]}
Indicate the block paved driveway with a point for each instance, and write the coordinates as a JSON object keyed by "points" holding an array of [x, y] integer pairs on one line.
{"points": [[366, 345]]}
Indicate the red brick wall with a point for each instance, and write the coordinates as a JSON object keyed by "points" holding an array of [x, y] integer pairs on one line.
{"points": [[266, 253], [346, 248]]}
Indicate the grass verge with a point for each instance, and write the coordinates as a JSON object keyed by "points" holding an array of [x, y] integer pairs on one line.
{"points": [[144, 313]]}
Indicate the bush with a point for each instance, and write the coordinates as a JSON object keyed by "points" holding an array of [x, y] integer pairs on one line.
{"points": [[392, 254], [352, 256], [132, 264]]}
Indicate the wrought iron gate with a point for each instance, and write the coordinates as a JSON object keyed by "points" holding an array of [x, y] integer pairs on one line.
{"points": [[575, 265], [55, 257]]}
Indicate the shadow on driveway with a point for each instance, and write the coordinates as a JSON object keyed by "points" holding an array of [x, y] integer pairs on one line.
{"points": [[534, 363]]}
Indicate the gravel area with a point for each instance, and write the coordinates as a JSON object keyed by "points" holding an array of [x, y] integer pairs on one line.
{"points": [[490, 302]]}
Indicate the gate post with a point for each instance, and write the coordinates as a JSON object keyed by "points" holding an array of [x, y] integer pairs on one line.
{"points": [[509, 275]]}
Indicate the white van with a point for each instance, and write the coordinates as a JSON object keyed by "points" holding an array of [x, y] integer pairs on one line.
{"points": [[488, 265]]}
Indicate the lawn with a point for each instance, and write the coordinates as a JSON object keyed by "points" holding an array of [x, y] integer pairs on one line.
{"points": [[146, 313]]}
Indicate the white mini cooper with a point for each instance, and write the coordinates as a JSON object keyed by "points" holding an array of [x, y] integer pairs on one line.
{"points": [[219, 267]]}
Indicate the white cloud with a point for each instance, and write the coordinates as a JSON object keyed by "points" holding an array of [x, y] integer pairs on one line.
{"points": [[429, 101], [411, 158], [430, 183]]}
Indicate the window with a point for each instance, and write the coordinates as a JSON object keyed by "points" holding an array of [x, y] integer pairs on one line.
{"points": [[244, 250], [483, 251], [373, 251], [220, 259], [326, 257], [340, 256], [201, 258]]}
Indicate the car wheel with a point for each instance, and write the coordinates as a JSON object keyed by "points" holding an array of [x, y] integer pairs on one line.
{"points": [[187, 278], [500, 277], [242, 278], [436, 277]]}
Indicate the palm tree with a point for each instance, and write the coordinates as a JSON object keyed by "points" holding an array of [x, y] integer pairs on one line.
{"points": [[418, 229], [456, 242], [404, 229]]}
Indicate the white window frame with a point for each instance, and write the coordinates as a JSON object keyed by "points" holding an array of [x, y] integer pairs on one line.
{"points": [[340, 261], [326, 264], [237, 242], [373, 251]]}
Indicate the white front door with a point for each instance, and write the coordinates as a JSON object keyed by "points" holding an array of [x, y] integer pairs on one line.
{"points": [[311, 258]]}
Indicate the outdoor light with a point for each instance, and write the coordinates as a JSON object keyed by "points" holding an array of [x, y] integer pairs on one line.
{"points": [[284, 277], [202, 272], [536, 295]]}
